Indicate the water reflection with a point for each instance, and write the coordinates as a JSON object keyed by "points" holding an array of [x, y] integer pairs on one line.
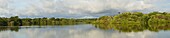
{"points": [[77, 31], [132, 27], [9, 28]]}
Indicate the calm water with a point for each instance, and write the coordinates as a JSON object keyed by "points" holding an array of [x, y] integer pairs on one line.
{"points": [[75, 31]]}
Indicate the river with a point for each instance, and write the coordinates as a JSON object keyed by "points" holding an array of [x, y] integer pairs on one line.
{"points": [[75, 31]]}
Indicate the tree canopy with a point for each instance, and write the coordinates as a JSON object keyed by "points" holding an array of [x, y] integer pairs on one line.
{"points": [[16, 21], [133, 21]]}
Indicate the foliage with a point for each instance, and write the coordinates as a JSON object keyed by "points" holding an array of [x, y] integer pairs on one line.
{"points": [[103, 20], [136, 21], [126, 18], [16, 21]]}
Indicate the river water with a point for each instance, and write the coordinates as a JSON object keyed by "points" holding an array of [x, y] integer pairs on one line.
{"points": [[75, 31]]}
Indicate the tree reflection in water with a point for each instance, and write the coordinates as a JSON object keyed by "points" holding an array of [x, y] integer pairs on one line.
{"points": [[16, 29], [133, 27], [119, 27]]}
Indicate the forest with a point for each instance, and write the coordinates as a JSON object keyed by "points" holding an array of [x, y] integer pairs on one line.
{"points": [[124, 22], [127, 21], [135, 21], [16, 21]]}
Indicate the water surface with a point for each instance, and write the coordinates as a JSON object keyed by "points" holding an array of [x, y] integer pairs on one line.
{"points": [[75, 31]]}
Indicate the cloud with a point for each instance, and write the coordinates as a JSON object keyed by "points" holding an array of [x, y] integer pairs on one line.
{"points": [[72, 8], [87, 17]]}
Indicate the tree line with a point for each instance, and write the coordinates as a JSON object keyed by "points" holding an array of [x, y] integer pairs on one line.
{"points": [[132, 21], [16, 21], [136, 18]]}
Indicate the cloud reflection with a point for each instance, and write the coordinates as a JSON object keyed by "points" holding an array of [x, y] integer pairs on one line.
{"points": [[87, 31]]}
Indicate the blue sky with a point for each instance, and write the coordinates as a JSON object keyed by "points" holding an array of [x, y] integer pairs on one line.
{"points": [[78, 8]]}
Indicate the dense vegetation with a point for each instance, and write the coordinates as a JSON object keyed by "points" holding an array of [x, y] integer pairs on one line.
{"points": [[16, 21], [124, 22], [135, 21]]}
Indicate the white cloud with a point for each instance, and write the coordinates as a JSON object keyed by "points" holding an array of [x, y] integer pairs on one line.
{"points": [[66, 8], [138, 5], [88, 17]]}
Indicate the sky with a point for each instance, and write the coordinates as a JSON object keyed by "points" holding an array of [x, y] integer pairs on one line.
{"points": [[78, 8]]}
